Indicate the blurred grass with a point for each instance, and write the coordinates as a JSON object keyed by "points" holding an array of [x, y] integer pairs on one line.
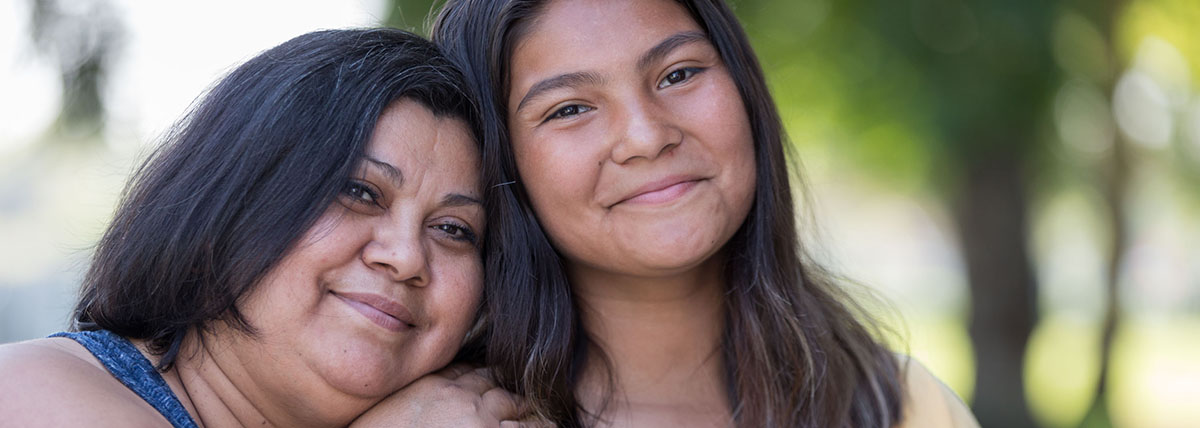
{"points": [[1155, 368], [1155, 371], [943, 346], [1061, 366]]}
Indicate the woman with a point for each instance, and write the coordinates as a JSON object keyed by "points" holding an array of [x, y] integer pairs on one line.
{"points": [[647, 265], [306, 243]]}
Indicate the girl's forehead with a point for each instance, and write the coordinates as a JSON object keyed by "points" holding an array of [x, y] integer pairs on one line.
{"points": [[598, 23], [568, 36]]}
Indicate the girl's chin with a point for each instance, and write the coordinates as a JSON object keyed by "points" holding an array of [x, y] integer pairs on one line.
{"points": [[682, 254], [661, 265]]}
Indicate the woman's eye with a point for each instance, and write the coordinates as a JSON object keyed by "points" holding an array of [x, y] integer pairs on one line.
{"points": [[678, 76], [568, 111], [458, 232], [361, 192]]}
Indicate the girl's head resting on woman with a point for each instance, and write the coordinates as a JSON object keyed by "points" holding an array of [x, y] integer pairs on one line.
{"points": [[315, 222], [637, 139]]}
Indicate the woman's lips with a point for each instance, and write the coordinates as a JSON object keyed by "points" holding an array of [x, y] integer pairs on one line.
{"points": [[380, 310], [661, 191]]}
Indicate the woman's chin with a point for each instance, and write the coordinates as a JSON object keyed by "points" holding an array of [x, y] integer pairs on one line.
{"points": [[370, 374]]}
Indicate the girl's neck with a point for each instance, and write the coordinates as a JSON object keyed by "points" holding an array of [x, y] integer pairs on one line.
{"points": [[662, 341]]}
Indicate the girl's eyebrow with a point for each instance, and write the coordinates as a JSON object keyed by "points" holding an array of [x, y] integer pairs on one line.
{"points": [[581, 78], [578, 78], [660, 51]]}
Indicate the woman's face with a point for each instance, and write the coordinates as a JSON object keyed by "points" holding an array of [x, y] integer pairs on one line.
{"points": [[629, 135], [383, 289]]}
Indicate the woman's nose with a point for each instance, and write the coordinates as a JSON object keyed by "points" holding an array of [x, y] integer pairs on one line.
{"points": [[400, 253], [643, 130]]}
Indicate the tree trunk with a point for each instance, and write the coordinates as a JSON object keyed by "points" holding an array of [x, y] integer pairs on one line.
{"points": [[992, 216], [83, 43]]}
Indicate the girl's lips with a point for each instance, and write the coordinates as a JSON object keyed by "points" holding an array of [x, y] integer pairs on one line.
{"points": [[660, 192], [380, 310]]}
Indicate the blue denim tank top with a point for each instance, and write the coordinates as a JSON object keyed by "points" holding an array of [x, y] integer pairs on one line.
{"points": [[128, 365]]}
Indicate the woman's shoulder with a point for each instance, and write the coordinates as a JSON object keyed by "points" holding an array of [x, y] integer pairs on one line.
{"points": [[928, 403], [57, 382]]}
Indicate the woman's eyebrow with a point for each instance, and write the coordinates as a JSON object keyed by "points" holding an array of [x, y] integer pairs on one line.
{"points": [[660, 51], [578, 78], [459, 200], [391, 172]]}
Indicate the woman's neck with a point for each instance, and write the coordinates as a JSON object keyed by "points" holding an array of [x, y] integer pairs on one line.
{"points": [[662, 340], [218, 391]]}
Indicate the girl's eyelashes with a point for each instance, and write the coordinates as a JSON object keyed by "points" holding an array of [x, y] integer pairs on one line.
{"points": [[458, 232], [678, 75], [568, 111]]}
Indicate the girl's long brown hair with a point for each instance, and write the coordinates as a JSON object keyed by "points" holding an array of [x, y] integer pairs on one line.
{"points": [[798, 352]]}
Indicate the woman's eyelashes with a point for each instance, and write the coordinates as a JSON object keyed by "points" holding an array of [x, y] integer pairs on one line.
{"points": [[361, 193], [458, 232], [678, 75], [366, 199]]}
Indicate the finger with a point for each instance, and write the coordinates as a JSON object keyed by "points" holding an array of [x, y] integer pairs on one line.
{"points": [[475, 382], [503, 405], [485, 373]]}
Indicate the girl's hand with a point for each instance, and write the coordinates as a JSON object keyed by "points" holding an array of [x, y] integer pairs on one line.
{"points": [[457, 396]]}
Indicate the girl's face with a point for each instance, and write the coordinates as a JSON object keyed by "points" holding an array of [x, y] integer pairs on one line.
{"points": [[630, 136]]}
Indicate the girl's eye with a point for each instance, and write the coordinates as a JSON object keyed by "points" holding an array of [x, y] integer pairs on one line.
{"points": [[678, 76], [568, 111], [458, 232], [361, 193]]}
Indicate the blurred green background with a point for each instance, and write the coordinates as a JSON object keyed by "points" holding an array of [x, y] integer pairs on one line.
{"points": [[1019, 179]]}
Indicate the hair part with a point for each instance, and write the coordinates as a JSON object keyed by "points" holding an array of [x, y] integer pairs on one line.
{"points": [[245, 174], [797, 352]]}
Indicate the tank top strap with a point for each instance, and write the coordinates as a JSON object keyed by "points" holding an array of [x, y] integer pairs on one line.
{"points": [[128, 365]]}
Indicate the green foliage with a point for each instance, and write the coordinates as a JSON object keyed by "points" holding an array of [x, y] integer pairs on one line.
{"points": [[904, 88], [411, 15], [838, 83]]}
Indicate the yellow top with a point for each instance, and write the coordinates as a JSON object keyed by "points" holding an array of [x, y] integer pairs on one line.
{"points": [[930, 403]]}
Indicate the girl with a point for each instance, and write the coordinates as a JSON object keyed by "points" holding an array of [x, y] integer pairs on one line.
{"points": [[646, 263]]}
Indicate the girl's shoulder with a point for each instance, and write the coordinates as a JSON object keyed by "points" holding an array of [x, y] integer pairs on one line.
{"points": [[928, 403], [57, 382]]}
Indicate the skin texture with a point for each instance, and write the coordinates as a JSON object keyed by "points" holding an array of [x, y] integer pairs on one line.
{"points": [[323, 352], [396, 237], [40, 375], [458, 396], [586, 148], [639, 164], [930, 403]]}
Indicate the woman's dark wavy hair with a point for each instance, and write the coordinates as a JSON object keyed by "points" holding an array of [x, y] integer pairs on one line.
{"points": [[245, 173], [796, 352]]}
